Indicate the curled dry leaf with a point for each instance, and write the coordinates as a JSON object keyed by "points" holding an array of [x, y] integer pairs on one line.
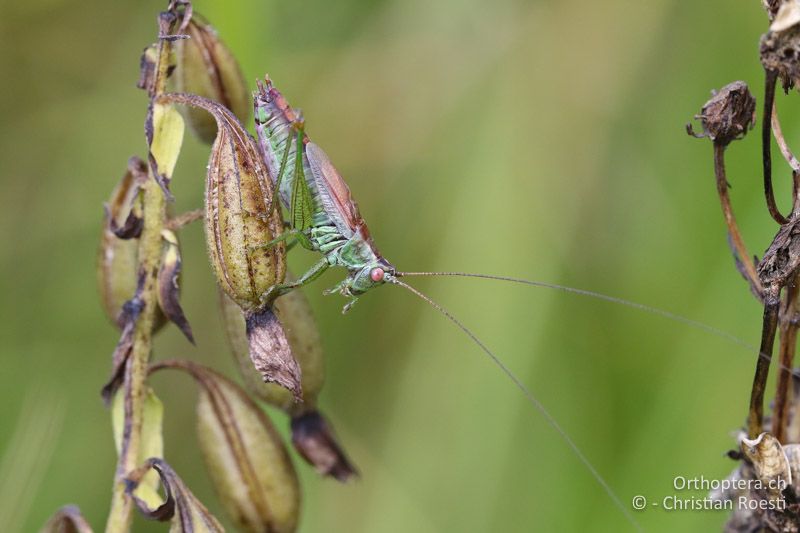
{"points": [[127, 322], [118, 250], [206, 67], [152, 440], [187, 513], [164, 132], [68, 519], [168, 284], [314, 440]]}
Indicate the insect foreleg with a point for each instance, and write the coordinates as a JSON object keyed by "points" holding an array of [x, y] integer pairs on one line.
{"points": [[313, 273]]}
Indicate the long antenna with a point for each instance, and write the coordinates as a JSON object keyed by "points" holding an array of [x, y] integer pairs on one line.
{"points": [[635, 305], [532, 400]]}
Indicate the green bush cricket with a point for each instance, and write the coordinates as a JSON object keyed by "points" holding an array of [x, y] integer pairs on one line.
{"points": [[324, 218]]}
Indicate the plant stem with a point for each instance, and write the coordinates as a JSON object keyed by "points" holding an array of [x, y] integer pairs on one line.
{"points": [[766, 146], [788, 346], [150, 249], [730, 220], [755, 424]]}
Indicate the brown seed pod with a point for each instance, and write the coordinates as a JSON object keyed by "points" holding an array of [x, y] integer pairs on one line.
{"points": [[206, 67], [728, 115], [780, 47]]}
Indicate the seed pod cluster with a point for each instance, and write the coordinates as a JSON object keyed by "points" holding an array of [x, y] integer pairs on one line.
{"points": [[780, 47], [312, 435], [207, 68]]}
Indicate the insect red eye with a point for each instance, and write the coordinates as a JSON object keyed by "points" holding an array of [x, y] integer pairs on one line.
{"points": [[376, 274]]}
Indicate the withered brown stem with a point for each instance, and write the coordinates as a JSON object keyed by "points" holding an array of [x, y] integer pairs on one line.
{"points": [[730, 220], [766, 145], [787, 348], [769, 326]]}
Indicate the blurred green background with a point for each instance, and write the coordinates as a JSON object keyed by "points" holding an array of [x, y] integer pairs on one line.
{"points": [[540, 139]]}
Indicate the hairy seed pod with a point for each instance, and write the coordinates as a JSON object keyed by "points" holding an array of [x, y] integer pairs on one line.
{"points": [[238, 225], [728, 115], [246, 458], [187, 513], [206, 67], [312, 435], [68, 519]]}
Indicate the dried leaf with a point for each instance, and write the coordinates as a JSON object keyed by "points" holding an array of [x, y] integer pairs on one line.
{"points": [[315, 441], [118, 250], [164, 131], [127, 322], [271, 353], [68, 519], [187, 513], [168, 280], [294, 313]]}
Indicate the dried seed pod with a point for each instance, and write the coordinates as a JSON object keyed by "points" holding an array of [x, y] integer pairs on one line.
{"points": [[780, 48], [246, 458], [728, 115], [187, 513], [206, 67], [168, 283], [312, 436], [68, 519], [769, 462], [118, 250]]}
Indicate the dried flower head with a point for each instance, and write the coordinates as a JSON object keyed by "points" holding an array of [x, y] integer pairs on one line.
{"points": [[728, 115]]}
